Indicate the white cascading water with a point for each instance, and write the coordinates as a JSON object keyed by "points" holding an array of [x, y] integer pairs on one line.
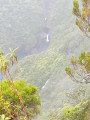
{"points": [[45, 84], [47, 38], [45, 19]]}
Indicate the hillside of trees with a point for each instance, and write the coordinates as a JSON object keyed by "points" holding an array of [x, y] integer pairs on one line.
{"points": [[46, 38]]}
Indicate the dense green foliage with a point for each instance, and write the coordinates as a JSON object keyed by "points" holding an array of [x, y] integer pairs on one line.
{"points": [[83, 17], [16, 98], [80, 111], [5, 61], [9, 101], [40, 69]]}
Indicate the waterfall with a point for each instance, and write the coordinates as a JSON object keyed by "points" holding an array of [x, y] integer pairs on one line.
{"points": [[45, 84], [45, 19], [47, 38]]}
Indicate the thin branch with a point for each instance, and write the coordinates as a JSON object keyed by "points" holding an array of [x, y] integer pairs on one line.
{"points": [[8, 113], [12, 84]]}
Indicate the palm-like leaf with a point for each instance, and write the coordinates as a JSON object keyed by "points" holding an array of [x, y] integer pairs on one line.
{"points": [[13, 57], [1, 52], [3, 63]]}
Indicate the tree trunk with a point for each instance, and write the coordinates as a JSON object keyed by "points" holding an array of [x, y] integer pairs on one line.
{"points": [[12, 84]]}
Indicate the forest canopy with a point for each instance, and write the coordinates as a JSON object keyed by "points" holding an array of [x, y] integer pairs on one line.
{"points": [[9, 103]]}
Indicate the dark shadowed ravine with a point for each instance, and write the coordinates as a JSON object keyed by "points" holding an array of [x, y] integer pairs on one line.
{"points": [[42, 37]]}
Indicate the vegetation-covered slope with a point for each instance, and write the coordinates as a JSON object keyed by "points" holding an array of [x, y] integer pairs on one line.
{"points": [[39, 69], [46, 69]]}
